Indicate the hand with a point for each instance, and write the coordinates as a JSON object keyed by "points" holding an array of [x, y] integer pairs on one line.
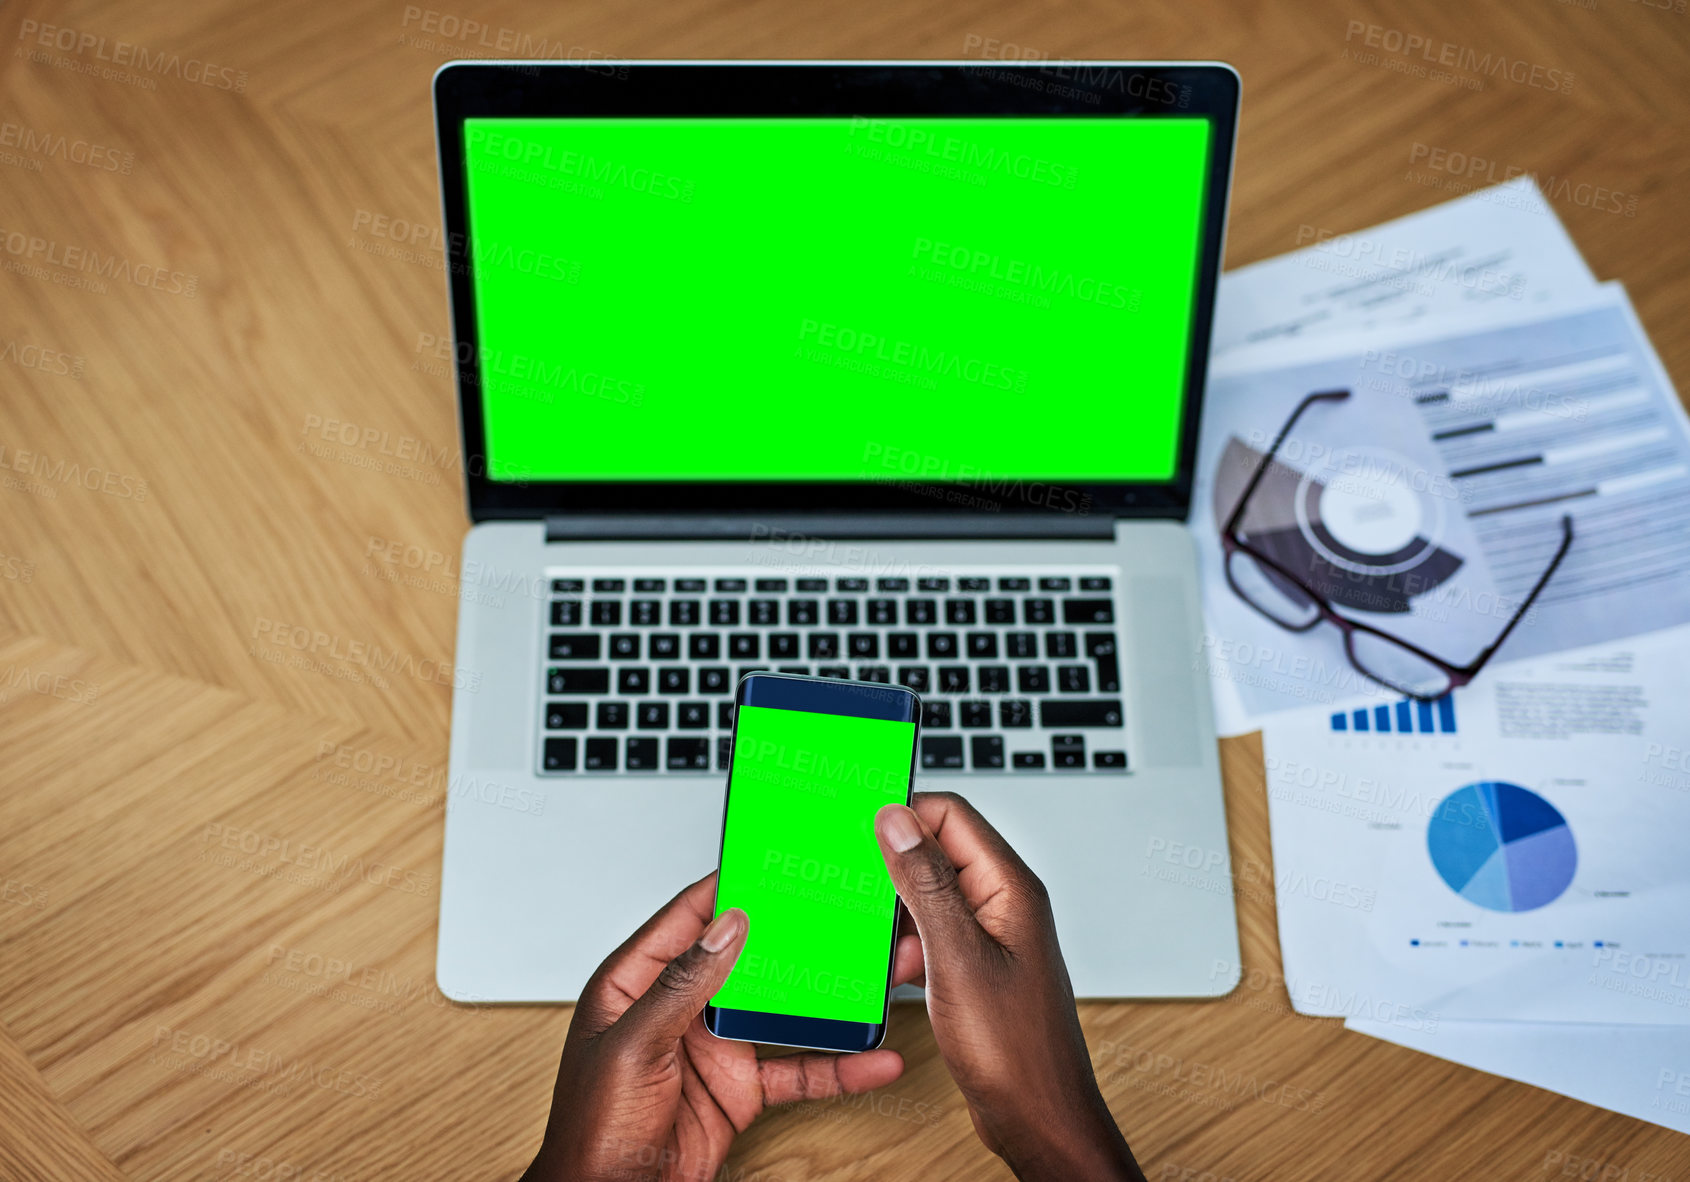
{"points": [[998, 992], [644, 1091]]}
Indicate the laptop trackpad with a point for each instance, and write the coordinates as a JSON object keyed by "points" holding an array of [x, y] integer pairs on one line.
{"points": [[1161, 642]]}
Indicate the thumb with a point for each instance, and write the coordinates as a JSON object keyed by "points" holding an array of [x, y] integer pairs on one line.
{"points": [[662, 1014], [925, 879]]}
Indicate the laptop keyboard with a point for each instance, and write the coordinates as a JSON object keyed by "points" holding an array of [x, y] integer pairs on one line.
{"points": [[1016, 671]]}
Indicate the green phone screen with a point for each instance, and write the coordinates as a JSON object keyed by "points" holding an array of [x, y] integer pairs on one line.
{"points": [[799, 857]]}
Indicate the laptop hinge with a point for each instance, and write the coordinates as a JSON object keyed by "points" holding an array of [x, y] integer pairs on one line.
{"points": [[759, 527]]}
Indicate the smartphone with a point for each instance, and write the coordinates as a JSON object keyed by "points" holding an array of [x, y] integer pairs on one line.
{"points": [[813, 760]]}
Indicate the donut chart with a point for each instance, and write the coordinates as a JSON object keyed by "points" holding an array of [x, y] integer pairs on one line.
{"points": [[1502, 847]]}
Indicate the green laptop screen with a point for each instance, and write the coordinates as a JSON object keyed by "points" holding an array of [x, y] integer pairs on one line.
{"points": [[834, 299]]}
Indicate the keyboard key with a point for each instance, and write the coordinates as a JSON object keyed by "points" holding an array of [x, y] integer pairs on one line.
{"points": [[878, 673], [974, 584], [724, 716], [933, 584], [650, 586], [983, 646], [1000, 611], [953, 679], [994, 679], [574, 646], [1068, 751], [941, 751], [665, 646], [1056, 583], [941, 645], [645, 613], [642, 755], [704, 646], [1014, 584], [959, 611], [783, 646], [609, 586], [685, 755], [801, 670], [1096, 583], [765, 613], [1022, 645], [693, 716], [841, 613], [566, 613], [1016, 712], [883, 612], [715, 679], [986, 750], [801, 613], [1028, 759], [674, 680], [913, 677], [606, 613], [1088, 611], [902, 645], [683, 613], [612, 716], [839, 671], [559, 755], [863, 645], [566, 716], [567, 586], [769, 586], [892, 585], [1039, 611], [601, 755], [689, 586], [625, 646], [921, 611], [1100, 647], [1032, 679], [1108, 759], [1059, 645], [724, 613], [1066, 712], [744, 646], [975, 714], [852, 584], [811, 586], [583, 681], [729, 586], [1073, 679], [631, 682], [745, 670], [936, 714], [724, 752], [824, 646], [554, 681], [652, 716]]}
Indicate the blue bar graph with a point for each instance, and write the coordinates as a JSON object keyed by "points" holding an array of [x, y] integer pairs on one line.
{"points": [[1406, 717]]}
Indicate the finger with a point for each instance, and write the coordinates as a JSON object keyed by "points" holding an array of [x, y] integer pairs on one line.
{"points": [[629, 971], [664, 1011], [983, 859], [908, 966], [816, 1075], [925, 879]]}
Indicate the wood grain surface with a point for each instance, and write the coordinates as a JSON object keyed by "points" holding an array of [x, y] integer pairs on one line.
{"points": [[175, 490]]}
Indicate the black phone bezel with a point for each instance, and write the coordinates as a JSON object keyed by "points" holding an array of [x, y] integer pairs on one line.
{"points": [[1207, 90], [821, 695]]}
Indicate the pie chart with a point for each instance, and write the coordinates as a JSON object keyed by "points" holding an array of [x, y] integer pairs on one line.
{"points": [[1502, 847]]}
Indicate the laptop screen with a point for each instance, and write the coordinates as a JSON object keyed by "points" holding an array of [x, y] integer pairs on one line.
{"points": [[834, 298]]}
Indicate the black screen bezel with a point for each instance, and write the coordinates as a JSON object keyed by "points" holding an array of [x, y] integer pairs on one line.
{"points": [[859, 699], [874, 89]]}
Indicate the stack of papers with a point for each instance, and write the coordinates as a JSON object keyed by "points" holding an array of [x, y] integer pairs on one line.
{"points": [[1496, 877]]}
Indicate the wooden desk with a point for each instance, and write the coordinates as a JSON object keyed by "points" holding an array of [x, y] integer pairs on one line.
{"points": [[257, 174]]}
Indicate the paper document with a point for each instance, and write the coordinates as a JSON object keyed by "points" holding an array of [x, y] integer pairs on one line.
{"points": [[1513, 851], [1429, 502], [1498, 246]]}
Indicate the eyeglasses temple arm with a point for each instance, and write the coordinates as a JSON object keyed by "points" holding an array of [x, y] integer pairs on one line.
{"points": [[1526, 604], [1237, 514]]}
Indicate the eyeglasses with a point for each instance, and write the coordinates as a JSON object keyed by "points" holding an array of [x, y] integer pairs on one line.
{"points": [[1286, 598]]}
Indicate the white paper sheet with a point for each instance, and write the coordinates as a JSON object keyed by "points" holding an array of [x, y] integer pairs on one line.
{"points": [[1501, 246], [1466, 446], [1640, 1071], [1559, 896]]}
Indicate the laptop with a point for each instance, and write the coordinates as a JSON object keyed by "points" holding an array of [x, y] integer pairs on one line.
{"points": [[887, 371]]}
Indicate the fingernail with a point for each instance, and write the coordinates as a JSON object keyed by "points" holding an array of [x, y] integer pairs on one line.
{"points": [[902, 833], [722, 930]]}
